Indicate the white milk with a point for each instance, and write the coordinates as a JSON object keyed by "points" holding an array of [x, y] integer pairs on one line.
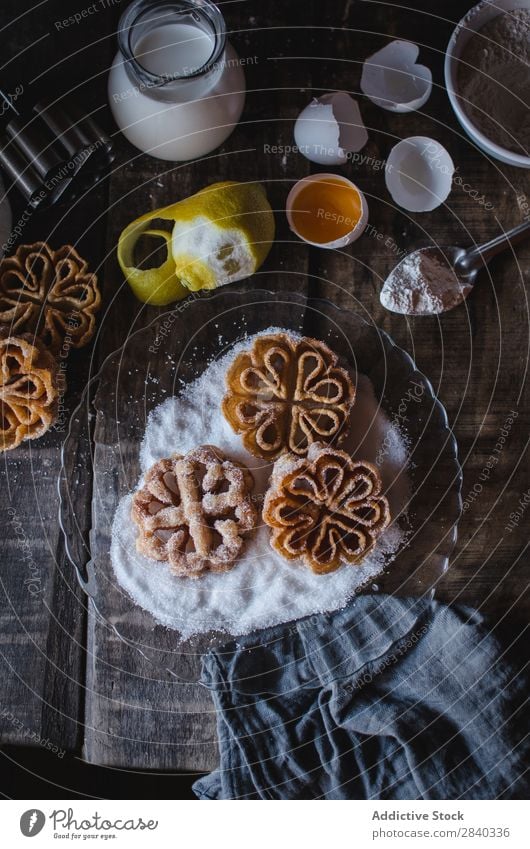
{"points": [[176, 49], [182, 119]]}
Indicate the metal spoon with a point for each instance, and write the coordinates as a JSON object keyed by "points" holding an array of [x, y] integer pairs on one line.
{"points": [[405, 291]]}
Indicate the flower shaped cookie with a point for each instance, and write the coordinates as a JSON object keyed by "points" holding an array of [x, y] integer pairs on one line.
{"points": [[192, 511], [50, 294], [28, 390], [286, 393], [326, 509]]}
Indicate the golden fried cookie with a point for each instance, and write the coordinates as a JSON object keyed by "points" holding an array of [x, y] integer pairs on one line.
{"points": [[192, 511], [325, 509], [50, 294], [28, 389], [284, 394]]}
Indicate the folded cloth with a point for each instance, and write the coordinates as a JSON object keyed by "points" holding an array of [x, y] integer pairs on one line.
{"points": [[386, 699]]}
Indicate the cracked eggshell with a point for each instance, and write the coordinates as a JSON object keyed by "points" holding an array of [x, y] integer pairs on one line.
{"points": [[392, 79], [329, 128], [419, 174]]}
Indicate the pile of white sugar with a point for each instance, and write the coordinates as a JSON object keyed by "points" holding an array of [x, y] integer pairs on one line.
{"points": [[262, 589]]}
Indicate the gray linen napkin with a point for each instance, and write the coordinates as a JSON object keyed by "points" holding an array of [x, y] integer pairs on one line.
{"points": [[386, 699]]}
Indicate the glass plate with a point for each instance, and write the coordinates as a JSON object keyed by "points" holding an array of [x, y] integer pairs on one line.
{"points": [[100, 462]]}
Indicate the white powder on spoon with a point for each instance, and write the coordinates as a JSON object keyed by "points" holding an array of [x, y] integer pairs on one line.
{"points": [[262, 589]]}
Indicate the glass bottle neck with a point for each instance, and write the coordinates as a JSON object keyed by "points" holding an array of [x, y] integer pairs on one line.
{"points": [[172, 49]]}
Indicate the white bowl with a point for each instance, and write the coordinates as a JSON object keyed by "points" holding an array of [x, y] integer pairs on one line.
{"points": [[473, 21]]}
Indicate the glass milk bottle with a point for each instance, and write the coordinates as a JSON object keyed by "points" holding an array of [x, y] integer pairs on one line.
{"points": [[176, 87]]}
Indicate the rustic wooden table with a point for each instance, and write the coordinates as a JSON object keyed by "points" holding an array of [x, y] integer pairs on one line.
{"points": [[67, 678]]}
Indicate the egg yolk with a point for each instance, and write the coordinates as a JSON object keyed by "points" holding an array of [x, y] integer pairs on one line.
{"points": [[325, 210]]}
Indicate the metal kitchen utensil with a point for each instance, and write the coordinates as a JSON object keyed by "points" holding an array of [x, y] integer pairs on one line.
{"points": [[53, 152]]}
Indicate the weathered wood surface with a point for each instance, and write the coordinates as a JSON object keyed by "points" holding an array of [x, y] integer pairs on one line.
{"points": [[61, 668], [133, 716], [477, 356], [43, 611]]}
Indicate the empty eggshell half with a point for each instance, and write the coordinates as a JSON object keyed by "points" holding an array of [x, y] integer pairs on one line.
{"points": [[329, 128], [419, 173], [392, 79]]}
